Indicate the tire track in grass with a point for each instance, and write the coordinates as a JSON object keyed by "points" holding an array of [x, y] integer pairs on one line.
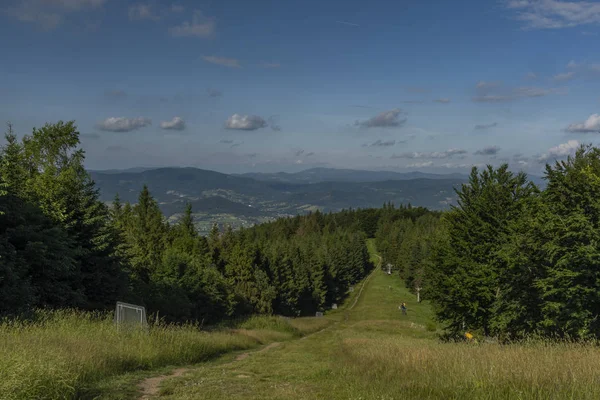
{"points": [[150, 387]]}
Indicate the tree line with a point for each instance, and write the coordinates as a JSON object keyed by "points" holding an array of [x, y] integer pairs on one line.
{"points": [[62, 247], [510, 260]]}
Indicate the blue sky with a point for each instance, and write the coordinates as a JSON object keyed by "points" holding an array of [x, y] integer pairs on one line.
{"points": [[238, 86]]}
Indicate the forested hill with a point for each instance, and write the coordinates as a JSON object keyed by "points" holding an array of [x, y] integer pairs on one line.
{"points": [[510, 261], [61, 246], [242, 201]]}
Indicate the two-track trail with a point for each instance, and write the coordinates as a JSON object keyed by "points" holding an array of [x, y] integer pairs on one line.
{"points": [[313, 367], [150, 387]]}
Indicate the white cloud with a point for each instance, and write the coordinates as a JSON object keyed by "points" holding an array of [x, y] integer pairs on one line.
{"points": [[49, 14], [245, 122], [420, 164], [592, 124], [442, 100], [555, 14], [560, 151], [228, 62], [200, 26], [531, 75], [122, 124], [385, 119], [176, 123], [436, 154]]}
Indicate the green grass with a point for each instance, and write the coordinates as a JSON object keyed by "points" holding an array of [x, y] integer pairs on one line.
{"points": [[370, 351], [377, 353], [68, 354]]}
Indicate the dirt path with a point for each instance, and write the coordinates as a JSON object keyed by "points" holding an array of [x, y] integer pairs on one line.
{"points": [[149, 387]]}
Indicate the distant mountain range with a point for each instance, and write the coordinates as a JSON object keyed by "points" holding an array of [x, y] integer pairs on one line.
{"points": [[246, 199], [317, 175]]}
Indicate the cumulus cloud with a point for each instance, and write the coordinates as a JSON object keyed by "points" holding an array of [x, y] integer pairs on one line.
{"points": [[488, 151], [200, 26], [485, 126], [590, 125], [385, 119], [442, 101], [531, 75], [554, 14], [245, 122], [122, 124], [380, 143], [50, 14], [177, 124], [436, 154], [227, 62], [560, 151]]}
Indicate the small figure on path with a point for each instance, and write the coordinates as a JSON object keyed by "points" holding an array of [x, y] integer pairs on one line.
{"points": [[403, 308]]}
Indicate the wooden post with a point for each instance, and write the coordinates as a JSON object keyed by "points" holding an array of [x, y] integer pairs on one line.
{"points": [[418, 294]]}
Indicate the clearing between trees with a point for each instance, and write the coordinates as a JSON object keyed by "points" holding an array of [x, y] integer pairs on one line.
{"points": [[374, 352]]}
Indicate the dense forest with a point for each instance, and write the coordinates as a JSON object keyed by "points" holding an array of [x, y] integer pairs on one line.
{"points": [[61, 247], [510, 260]]}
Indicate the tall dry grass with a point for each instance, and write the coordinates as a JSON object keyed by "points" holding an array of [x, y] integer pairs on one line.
{"points": [[62, 352], [412, 368]]}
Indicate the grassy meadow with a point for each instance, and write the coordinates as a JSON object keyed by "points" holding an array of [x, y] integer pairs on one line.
{"points": [[377, 353], [368, 351], [65, 354]]}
